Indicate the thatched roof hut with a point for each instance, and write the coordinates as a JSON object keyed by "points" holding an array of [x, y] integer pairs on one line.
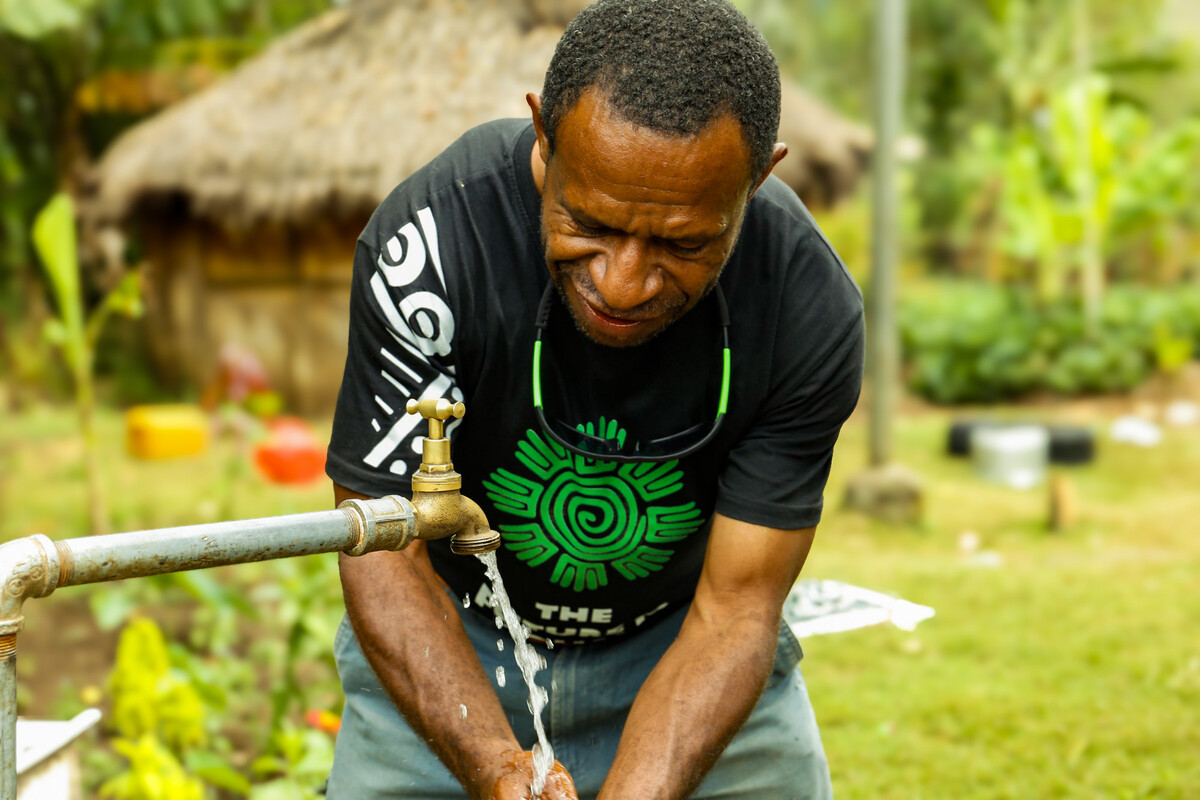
{"points": [[257, 187]]}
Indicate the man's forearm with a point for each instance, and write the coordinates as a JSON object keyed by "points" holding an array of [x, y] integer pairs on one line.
{"points": [[411, 634], [695, 700]]}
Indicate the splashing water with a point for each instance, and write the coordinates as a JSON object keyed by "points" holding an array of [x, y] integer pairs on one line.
{"points": [[530, 662], [500, 679]]}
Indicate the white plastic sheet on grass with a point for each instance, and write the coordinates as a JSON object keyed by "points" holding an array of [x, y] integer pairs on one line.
{"points": [[816, 607]]}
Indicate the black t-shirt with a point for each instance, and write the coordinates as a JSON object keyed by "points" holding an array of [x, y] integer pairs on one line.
{"points": [[447, 279]]}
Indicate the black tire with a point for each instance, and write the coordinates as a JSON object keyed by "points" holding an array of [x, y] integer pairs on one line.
{"points": [[958, 439], [1071, 445]]}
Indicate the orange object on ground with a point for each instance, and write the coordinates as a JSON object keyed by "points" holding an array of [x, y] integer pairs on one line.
{"points": [[290, 453], [323, 720], [165, 431]]}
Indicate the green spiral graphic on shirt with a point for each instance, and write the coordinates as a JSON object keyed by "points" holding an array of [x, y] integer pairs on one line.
{"points": [[585, 518]]}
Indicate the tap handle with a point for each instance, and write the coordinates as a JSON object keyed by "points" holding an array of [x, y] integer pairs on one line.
{"points": [[437, 410]]}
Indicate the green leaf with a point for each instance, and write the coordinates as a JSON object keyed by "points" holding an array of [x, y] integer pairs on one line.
{"points": [[55, 332], [215, 770], [207, 589], [33, 19], [268, 765], [54, 239], [111, 606]]}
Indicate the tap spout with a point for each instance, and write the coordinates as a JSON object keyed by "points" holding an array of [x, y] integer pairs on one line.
{"points": [[476, 536], [442, 514]]}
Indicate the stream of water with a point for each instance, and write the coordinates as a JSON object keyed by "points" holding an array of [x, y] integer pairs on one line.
{"points": [[530, 662]]}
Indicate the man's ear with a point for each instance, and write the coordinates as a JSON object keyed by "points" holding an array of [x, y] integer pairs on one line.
{"points": [[539, 158], [777, 153], [535, 106]]}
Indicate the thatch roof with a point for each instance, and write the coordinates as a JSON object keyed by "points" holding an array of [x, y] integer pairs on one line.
{"points": [[328, 119]]}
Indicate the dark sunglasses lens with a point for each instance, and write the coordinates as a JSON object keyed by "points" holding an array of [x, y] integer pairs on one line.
{"points": [[664, 447], [582, 440]]}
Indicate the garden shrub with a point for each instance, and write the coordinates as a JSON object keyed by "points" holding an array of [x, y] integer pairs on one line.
{"points": [[970, 343]]}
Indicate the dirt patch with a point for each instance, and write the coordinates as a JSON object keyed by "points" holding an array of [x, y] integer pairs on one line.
{"points": [[63, 657]]}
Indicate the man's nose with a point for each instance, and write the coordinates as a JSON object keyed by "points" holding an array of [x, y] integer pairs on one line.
{"points": [[626, 275]]}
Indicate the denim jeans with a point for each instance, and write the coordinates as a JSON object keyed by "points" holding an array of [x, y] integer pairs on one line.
{"points": [[777, 755]]}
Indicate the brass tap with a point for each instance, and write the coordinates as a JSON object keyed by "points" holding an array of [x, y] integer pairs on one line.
{"points": [[441, 510]]}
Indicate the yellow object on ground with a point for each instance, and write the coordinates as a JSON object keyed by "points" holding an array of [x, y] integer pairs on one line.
{"points": [[165, 431]]}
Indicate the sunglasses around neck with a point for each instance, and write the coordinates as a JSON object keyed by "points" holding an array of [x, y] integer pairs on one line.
{"points": [[575, 439]]}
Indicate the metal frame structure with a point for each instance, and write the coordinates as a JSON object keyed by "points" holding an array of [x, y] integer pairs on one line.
{"points": [[36, 566]]}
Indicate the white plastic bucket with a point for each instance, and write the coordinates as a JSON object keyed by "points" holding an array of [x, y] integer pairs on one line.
{"points": [[1015, 455]]}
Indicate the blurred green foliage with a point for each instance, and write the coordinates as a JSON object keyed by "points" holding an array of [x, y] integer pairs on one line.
{"points": [[970, 343], [179, 706], [159, 717], [1006, 69], [51, 53], [1036, 189], [1059, 154], [299, 765]]}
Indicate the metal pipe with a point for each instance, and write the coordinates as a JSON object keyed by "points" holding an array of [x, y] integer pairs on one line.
{"points": [[8, 716], [35, 566], [134, 555]]}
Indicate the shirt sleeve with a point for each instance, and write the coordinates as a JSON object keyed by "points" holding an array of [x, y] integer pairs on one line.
{"points": [[401, 345], [775, 476]]}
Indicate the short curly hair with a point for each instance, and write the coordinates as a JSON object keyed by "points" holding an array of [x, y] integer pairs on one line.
{"points": [[671, 66]]}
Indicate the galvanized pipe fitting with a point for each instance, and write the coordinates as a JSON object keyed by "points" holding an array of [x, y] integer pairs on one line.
{"points": [[29, 567]]}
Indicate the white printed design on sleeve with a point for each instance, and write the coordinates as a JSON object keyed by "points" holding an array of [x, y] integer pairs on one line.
{"points": [[421, 326]]}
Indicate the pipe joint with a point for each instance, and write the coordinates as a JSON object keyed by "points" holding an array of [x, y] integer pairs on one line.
{"points": [[385, 523], [29, 567]]}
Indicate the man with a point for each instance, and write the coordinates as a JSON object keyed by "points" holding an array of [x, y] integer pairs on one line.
{"points": [[656, 507]]}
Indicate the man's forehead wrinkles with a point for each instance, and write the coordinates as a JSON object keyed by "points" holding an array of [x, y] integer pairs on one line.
{"points": [[667, 179]]}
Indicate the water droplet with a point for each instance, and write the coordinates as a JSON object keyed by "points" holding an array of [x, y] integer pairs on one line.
{"points": [[499, 622], [462, 711], [466, 601], [500, 645], [500, 677], [427, 652], [549, 644]]}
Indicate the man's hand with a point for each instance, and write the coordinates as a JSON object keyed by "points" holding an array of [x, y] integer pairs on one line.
{"points": [[515, 780]]}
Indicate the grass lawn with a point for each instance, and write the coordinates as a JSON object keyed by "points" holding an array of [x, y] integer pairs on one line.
{"points": [[1065, 665], [1068, 669]]}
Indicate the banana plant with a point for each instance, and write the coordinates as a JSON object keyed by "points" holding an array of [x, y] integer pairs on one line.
{"points": [[76, 332]]}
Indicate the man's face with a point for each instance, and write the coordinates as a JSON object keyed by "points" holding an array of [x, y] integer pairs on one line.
{"points": [[637, 224]]}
